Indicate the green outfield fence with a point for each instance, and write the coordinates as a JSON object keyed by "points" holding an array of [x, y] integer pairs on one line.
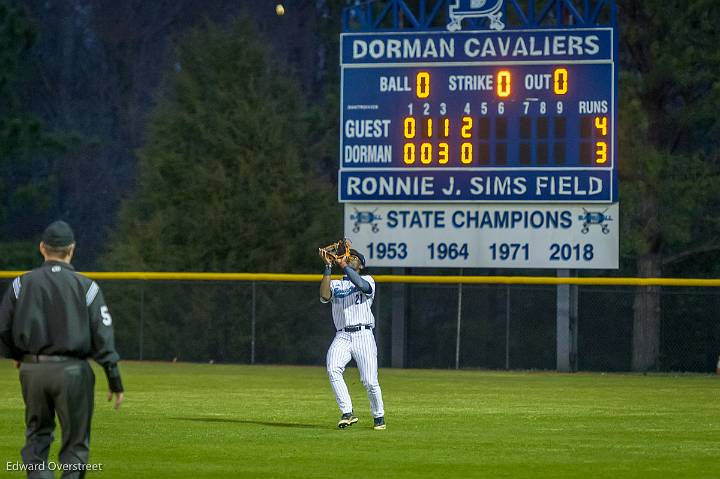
{"points": [[508, 322]]}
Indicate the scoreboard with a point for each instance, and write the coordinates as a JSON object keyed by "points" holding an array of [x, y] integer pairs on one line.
{"points": [[487, 148], [479, 116]]}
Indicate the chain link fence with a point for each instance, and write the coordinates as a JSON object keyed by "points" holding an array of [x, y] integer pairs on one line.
{"points": [[501, 326]]}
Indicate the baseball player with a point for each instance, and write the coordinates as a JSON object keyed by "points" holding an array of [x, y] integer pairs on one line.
{"points": [[351, 299]]}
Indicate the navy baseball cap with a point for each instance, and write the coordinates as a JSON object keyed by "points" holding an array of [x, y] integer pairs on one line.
{"points": [[355, 252], [58, 235]]}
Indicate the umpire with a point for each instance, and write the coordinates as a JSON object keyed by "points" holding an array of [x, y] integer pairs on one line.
{"points": [[51, 320]]}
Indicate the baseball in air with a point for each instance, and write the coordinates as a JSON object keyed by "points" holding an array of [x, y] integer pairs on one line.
{"points": [[279, 10]]}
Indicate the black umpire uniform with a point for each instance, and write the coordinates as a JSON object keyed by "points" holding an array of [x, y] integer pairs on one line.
{"points": [[51, 320]]}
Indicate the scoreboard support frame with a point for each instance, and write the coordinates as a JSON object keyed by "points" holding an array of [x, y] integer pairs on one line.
{"points": [[566, 324], [430, 14]]}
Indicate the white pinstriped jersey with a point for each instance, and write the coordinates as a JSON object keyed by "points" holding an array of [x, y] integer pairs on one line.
{"points": [[350, 306]]}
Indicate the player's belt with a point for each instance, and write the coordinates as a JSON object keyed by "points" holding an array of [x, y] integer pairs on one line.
{"points": [[354, 329], [42, 358]]}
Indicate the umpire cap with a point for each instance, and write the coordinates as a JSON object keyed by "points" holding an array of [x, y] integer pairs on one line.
{"points": [[58, 234], [355, 252]]}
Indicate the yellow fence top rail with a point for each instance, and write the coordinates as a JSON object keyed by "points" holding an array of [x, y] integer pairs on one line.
{"points": [[169, 276]]}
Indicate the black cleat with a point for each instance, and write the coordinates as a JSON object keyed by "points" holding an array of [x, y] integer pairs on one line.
{"points": [[379, 423], [347, 419]]}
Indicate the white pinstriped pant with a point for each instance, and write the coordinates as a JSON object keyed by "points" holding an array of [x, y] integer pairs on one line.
{"points": [[361, 347]]}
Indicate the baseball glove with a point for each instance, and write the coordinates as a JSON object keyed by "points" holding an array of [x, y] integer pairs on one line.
{"points": [[338, 250]]}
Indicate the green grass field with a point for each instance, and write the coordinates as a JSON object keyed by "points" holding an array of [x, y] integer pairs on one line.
{"points": [[213, 421]]}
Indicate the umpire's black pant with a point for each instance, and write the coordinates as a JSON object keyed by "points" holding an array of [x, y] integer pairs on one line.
{"points": [[66, 388]]}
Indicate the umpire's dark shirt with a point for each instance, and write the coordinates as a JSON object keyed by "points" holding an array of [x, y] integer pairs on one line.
{"points": [[54, 311]]}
